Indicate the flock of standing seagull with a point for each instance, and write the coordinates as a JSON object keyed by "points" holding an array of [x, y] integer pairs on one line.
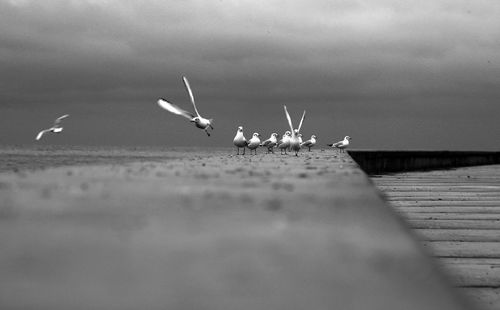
{"points": [[291, 140]]}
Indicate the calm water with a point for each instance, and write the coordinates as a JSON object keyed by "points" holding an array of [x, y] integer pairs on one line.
{"points": [[18, 158]]}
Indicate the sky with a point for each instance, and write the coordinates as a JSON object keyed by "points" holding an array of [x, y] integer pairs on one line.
{"points": [[390, 74]]}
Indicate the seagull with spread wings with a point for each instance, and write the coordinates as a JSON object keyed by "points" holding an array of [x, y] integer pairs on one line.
{"points": [[294, 139], [197, 119], [56, 128]]}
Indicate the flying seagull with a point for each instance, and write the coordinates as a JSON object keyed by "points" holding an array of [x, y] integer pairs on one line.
{"points": [[197, 119], [341, 145], [294, 139], [55, 128]]}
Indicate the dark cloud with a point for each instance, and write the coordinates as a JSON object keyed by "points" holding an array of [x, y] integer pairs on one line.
{"points": [[391, 74]]}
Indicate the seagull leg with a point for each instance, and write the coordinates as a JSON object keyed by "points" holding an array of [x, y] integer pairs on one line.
{"points": [[309, 149]]}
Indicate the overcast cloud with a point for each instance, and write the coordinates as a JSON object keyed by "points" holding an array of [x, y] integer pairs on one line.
{"points": [[392, 74]]}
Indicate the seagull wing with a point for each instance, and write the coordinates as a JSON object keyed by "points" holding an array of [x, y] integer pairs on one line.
{"points": [[302, 120], [58, 120], [186, 83], [289, 121], [266, 142], [40, 134], [174, 109]]}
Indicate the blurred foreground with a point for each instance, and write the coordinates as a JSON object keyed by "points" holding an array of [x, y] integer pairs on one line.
{"points": [[205, 229]]}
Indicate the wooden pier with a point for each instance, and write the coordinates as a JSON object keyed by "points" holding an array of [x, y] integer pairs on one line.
{"points": [[456, 214]]}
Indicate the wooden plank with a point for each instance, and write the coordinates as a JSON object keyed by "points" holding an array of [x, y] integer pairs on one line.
{"points": [[451, 209], [473, 275], [448, 199], [463, 249], [487, 298], [434, 178], [410, 203], [441, 192], [459, 235], [455, 224], [468, 260], [439, 189], [426, 180], [450, 216]]}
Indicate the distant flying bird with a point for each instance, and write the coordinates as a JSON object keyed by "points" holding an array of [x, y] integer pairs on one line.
{"points": [[197, 119], [341, 145], [239, 140], [254, 143], [55, 128], [309, 143], [294, 139], [284, 143], [271, 142]]}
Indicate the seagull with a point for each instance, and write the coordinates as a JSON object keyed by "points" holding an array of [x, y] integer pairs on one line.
{"points": [[294, 139], [341, 145], [309, 143], [239, 140], [271, 142], [284, 143], [197, 119], [254, 143], [55, 128]]}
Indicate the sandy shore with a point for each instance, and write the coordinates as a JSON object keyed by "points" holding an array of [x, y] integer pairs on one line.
{"points": [[209, 230]]}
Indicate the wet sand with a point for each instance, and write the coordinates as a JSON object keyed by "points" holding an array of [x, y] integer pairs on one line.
{"points": [[209, 230]]}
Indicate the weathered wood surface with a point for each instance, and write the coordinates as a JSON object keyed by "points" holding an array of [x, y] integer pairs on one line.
{"points": [[210, 230], [457, 215], [489, 298], [472, 235], [454, 224]]}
